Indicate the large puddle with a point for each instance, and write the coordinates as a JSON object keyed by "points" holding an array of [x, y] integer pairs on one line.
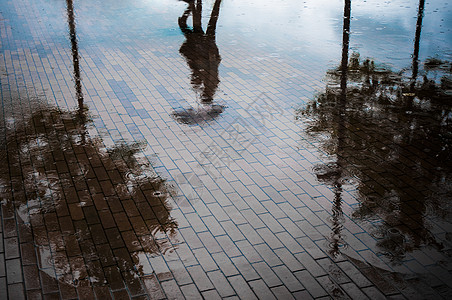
{"points": [[170, 148]]}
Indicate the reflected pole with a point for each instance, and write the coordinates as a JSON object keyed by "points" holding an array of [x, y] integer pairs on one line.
{"points": [[417, 40], [337, 213], [345, 44], [75, 55], [76, 64]]}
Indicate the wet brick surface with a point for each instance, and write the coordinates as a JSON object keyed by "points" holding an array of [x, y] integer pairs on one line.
{"points": [[171, 164]]}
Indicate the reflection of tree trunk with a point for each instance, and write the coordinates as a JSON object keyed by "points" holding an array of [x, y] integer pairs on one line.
{"points": [[75, 56], [197, 15], [417, 39], [345, 44], [415, 64], [337, 218]]}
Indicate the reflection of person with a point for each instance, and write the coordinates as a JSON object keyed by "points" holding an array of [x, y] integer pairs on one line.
{"points": [[200, 49]]}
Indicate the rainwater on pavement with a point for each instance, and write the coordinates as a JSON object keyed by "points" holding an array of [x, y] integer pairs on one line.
{"points": [[165, 149]]}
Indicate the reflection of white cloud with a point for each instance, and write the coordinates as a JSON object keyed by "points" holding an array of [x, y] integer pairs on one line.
{"points": [[285, 18], [380, 29]]}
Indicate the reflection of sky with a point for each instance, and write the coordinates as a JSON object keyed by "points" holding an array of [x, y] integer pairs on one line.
{"points": [[383, 30]]}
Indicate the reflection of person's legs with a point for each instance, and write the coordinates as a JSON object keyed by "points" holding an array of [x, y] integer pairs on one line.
{"points": [[183, 21], [212, 26], [197, 15]]}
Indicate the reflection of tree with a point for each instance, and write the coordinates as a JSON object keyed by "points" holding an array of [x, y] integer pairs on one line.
{"points": [[393, 133], [400, 150], [96, 192], [201, 53], [332, 173]]}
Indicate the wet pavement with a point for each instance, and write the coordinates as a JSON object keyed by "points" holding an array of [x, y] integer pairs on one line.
{"points": [[170, 149]]}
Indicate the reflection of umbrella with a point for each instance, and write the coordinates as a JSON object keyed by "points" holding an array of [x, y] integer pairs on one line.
{"points": [[200, 115]]}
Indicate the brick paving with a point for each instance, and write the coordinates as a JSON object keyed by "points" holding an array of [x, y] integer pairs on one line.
{"points": [[132, 166]]}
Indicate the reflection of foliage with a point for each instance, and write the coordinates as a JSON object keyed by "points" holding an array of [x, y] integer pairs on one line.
{"points": [[59, 169], [126, 152], [434, 63], [395, 135]]}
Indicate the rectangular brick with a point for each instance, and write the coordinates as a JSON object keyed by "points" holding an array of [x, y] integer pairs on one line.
{"points": [[200, 278], [209, 242], [190, 291], [270, 238], [266, 273], [250, 234], [11, 247], [225, 264], [228, 246], [213, 225], [248, 251], [153, 287], [13, 270], [268, 255], [288, 279], [242, 289], [31, 276], [261, 289], [180, 273], [205, 259], [310, 283], [221, 283], [171, 289]]}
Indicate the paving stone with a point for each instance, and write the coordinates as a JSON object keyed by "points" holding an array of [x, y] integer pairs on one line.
{"points": [[241, 287], [358, 278], [289, 260], [261, 289], [221, 283], [13, 271], [3, 288], [200, 278], [225, 264], [248, 251], [132, 167], [311, 284], [310, 264], [153, 287], [210, 243], [245, 268], [205, 259], [267, 274], [288, 279], [16, 291], [212, 294], [190, 291], [281, 292]]}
